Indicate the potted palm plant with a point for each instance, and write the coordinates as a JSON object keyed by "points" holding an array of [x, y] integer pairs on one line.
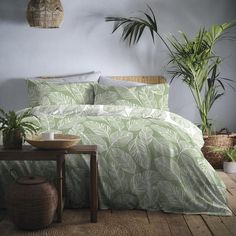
{"points": [[194, 61], [14, 128], [230, 160], [229, 154]]}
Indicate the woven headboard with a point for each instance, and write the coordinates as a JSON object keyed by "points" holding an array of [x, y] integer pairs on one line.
{"points": [[142, 79]]}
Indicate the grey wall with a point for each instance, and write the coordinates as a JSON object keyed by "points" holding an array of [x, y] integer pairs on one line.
{"points": [[84, 43]]}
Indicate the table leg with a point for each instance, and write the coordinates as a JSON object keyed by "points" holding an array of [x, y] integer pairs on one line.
{"points": [[64, 179], [60, 161], [93, 188]]}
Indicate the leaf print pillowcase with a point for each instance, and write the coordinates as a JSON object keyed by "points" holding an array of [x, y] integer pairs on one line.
{"points": [[151, 96], [44, 93]]}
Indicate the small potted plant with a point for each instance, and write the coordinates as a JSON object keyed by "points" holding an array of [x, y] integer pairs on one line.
{"points": [[14, 128], [230, 160]]}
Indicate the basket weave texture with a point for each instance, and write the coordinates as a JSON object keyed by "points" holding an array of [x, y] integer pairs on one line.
{"points": [[45, 13], [225, 141], [31, 202], [142, 79], [153, 79]]}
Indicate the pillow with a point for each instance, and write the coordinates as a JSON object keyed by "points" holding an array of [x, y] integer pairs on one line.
{"points": [[77, 78], [114, 82], [44, 93], [152, 96]]}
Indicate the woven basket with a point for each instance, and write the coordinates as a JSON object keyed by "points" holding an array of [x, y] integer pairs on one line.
{"points": [[31, 202], [45, 13], [220, 140]]}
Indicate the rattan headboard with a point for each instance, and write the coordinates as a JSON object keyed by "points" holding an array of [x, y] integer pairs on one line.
{"points": [[142, 79]]}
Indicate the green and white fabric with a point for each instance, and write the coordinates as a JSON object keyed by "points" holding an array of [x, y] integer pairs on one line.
{"points": [[148, 159], [46, 93], [151, 96]]}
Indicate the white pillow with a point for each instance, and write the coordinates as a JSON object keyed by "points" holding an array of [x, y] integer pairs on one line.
{"points": [[65, 79], [118, 83]]}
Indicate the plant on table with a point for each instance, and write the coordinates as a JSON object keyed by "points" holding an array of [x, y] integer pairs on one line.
{"points": [[194, 61], [15, 126]]}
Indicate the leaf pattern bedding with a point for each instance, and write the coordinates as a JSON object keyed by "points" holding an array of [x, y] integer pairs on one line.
{"points": [[44, 93], [151, 96], [148, 159]]}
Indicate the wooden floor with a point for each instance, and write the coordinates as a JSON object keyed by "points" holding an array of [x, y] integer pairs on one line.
{"points": [[76, 222]]}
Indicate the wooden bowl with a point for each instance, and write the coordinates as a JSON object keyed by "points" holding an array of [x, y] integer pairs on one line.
{"points": [[61, 141]]}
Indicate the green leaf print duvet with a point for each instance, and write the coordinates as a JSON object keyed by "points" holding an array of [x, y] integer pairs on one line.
{"points": [[148, 159]]}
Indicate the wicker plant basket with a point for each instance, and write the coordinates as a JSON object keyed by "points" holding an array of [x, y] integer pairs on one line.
{"points": [[31, 202], [219, 140]]}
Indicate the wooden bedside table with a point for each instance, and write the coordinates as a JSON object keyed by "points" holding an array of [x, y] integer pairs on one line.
{"points": [[29, 153]]}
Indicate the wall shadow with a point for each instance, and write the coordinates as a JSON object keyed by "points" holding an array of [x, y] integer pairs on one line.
{"points": [[13, 11], [13, 94]]}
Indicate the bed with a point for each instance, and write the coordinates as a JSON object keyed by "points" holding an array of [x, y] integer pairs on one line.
{"points": [[148, 157]]}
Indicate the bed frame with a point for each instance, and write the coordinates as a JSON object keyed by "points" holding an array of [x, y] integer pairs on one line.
{"points": [[141, 79]]}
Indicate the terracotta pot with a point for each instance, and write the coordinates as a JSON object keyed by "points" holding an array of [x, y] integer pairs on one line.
{"points": [[31, 202], [12, 140]]}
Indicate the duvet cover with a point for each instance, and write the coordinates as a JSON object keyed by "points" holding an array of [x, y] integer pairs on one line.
{"points": [[148, 159]]}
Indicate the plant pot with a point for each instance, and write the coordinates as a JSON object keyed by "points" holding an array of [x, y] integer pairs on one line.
{"points": [[215, 141], [229, 167], [12, 140]]}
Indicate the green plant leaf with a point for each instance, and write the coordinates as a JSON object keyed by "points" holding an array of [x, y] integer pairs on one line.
{"points": [[13, 121], [191, 60], [133, 27]]}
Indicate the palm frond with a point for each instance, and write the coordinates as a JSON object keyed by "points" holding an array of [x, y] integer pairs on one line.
{"points": [[192, 60], [133, 27]]}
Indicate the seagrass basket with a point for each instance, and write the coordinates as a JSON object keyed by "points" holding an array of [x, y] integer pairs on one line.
{"points": [[45, 13], [31, 202], [224, 141]]}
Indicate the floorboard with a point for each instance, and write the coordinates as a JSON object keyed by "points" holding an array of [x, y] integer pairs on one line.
{"points": [[138, 223], [177, 224], [216, 226], [233, 177], [197, 225], [160, 223], [230, 183], [230, 223], [231, 197]]}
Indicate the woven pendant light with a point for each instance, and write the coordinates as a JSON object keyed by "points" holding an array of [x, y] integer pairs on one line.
{"points": [[45, 13]]}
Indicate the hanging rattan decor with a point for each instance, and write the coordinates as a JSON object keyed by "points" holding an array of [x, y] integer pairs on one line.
{"points": [[45, 13]]}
